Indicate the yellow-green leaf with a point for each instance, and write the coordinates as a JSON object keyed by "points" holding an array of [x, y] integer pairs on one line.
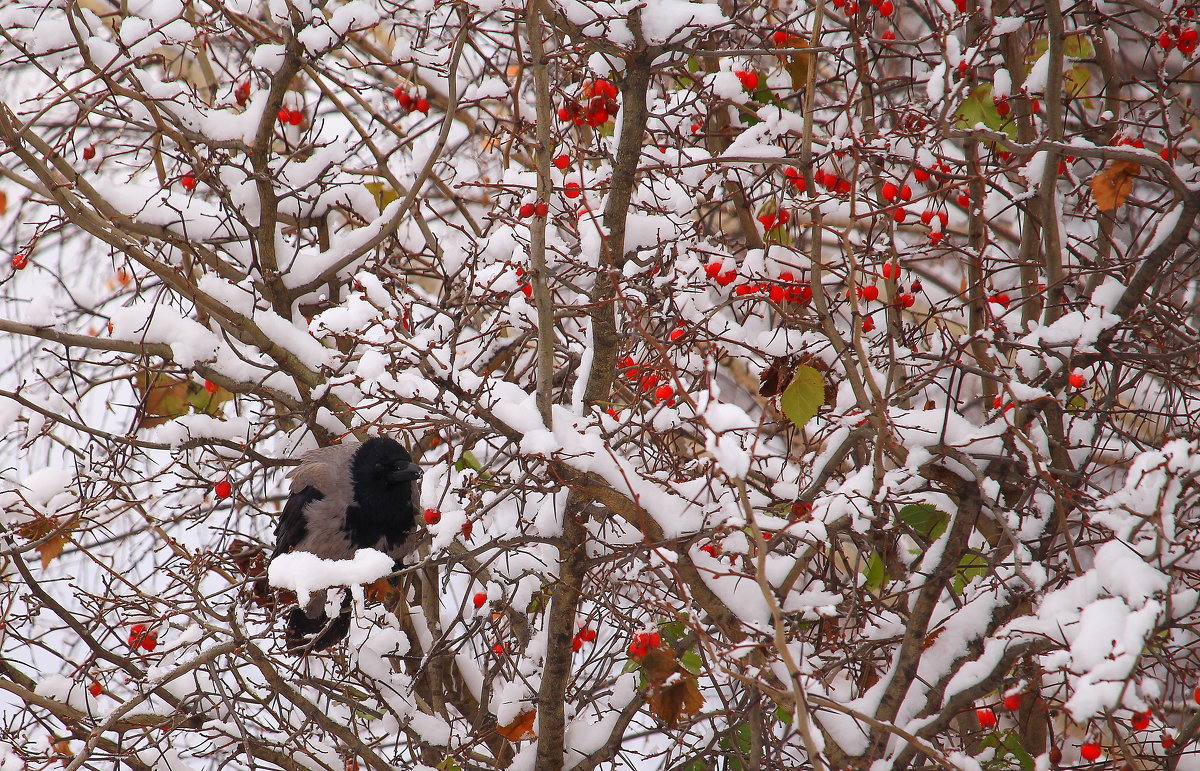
{"points": [[382, 193], [209, 403], [804, 396], [1078, 47], [1076, 79], [978, 108], [874, 574], [927, 520]]}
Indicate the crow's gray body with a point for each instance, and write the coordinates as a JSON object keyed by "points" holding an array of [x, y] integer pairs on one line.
{"points": [[346, 497]]}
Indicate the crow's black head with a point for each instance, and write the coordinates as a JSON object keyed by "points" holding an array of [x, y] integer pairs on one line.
{"points": [[383, 463], [383, 476]]}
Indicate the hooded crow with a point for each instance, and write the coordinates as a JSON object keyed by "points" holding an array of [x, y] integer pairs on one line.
{"points": [[346, 497]]}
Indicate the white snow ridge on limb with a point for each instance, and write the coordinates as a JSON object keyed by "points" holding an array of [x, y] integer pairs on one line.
{"points": [[306, 573]]}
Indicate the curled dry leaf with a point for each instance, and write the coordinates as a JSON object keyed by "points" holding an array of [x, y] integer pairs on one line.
{"points": [[1113, 185], [520, 729], [672, 692]]}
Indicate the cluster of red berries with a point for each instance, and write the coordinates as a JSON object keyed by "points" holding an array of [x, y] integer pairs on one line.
{"points": [[582, 636], [643, 643], [849, 6], [1184, 39], [885, 7], [408, 102], [648, 383], [795, 178], [290, 117], [141, 635], [831, 182], [1000, 298], [748, 78], [597, 108], [539, 209], [771, 220]]}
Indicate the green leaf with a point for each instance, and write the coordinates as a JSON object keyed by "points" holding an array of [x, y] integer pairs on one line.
{"points": [[970, 567], [978, 108], [1012, 743], [1077, 403], [1075, 80], [804, 396], [874, 574], [926, 519], [1078, 47], [692, 661]]}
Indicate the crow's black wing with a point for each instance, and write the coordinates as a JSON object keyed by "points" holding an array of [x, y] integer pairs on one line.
{"points": [[290, 529]]}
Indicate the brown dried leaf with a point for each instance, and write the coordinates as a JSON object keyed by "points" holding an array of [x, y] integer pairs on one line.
{"points": [[797, 64], [1113, 185], [53, 546], [672, 692], [520, 729], [381, 590], [3, 202], [248, 559]]}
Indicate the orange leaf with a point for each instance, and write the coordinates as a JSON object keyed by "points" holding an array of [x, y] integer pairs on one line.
{"points": [[381, 590], [3, 202], [52, 548], [1112, 186], [520, 729]]}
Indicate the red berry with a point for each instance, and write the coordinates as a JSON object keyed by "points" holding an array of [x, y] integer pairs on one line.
{"points": [[607, 89], [421, 105], [944, 218], [1188, 39], [899, 215], [905, 300], [296, 117], [576, 643], [780, 37], [741, 290], [677, 333], [223, 489], [868, 324], [135, 633], [150, 641], [432, 516], [19, 261], [1090, 751], [727, 278], [1168, 741], [1001, 299], [920, 174], [527, 290], [664, 392], [905, 192], [1196, 695], [283, 114], [886, 8], [891, 270], [210, 386], [1166, 41], [961, 5], [562, 161], [479, 599], [916, 286], [936, 236], [870, 293], [242, 93], [851, 8], [1012, 702], [563, 114], [1055, 755], [587, 635], [964, 200], [986, 717], [89, 152], [188, 181], [95, 688], [1140, 720], [1077, 380], [927, 216], [466, 530], [654, 640], [401, 95], [1003, 107], [889, 191], [571, 190], [498, 648], [712, 269], [888, 35], [541, 208], [749, 79], [526, 210]]}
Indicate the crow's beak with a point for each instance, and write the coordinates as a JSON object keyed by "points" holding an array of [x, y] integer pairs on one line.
{"points": [[406, 473]]}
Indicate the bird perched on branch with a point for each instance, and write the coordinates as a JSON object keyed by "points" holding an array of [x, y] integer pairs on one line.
{"points": [[346, 497]]}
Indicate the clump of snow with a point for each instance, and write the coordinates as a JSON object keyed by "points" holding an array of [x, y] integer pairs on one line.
{"points": [[306, 573]]}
